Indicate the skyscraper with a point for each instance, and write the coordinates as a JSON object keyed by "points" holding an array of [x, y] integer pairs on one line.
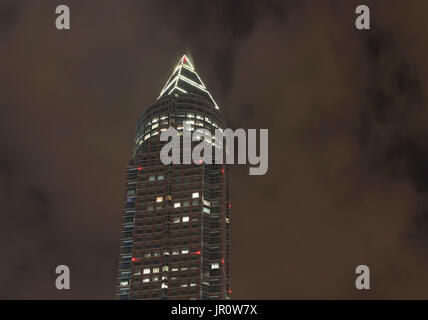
{"points": [[175, 241]]}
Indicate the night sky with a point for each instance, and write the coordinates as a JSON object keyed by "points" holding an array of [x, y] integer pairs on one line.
{"points": [[348, 151]]}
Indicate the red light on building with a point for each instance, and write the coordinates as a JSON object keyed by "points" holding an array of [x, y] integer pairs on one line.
{"points": [[222, 170], [222, 261], [134, 259], [140, 168], [230, 291], [197, 252], [230, 206]]}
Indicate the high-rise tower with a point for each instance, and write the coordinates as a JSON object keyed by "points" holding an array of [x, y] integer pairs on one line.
{"points": [[175, 240]]}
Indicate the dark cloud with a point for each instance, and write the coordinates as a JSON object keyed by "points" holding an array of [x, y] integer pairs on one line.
{"points": [[6, 170], [224, 65], [9, 15], [409, 85], [238, 17], [377, 44], [415, 157]]}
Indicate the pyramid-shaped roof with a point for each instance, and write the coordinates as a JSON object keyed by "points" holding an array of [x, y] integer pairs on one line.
{"points": [[184, 79]]}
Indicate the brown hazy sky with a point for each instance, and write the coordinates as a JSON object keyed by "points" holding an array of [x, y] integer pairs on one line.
{"points": [[348, 153]]}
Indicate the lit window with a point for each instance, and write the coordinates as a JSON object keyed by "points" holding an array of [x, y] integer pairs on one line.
{"points": [[184, 251], [147, 255], [184, 285], [185, 219], [176, 220], [175, 252], [227, 220], [215, 265], [207, 203], [155, 270], [146, 280], [165, 268], [195, 195], [155, 126], [123, 283], [156, 254], [177, 205], [160, 177], [164, 285], [155, 278], [174, 269], [146, 271], [159, 199], [193, 284], [207, 210], [152, 178]]}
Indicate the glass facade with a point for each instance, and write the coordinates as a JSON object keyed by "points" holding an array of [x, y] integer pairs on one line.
{"points": [[175, 240]]}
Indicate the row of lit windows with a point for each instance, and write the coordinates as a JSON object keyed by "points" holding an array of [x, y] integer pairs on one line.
{"points": [[153, 124], [176, 204], [174, 259], [156, 278], [184, 180], [185, 241], [156, 270]]}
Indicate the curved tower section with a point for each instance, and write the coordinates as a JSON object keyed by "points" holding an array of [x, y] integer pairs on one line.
{"points": [[175, 241]]}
